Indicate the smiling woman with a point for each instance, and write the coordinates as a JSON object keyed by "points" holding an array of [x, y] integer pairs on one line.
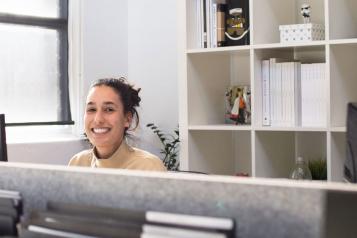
{"points": [[110, 113]]}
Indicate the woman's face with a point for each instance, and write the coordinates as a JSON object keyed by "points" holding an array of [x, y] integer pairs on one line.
{"points": [[105, 120]]}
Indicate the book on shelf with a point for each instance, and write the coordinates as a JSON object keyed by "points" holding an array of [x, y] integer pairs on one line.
{"points": [[219, 23], [293, 94], [214, 16], [265, 92], [274, 90], [213, 12], [220, 30], [313, 95], [238, 105]]}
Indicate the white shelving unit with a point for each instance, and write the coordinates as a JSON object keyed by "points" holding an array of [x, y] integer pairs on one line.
{"points": [[208, 145]]}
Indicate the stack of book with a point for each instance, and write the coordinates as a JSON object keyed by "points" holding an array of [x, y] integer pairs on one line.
{"points": [[211, 27], [313, 95], [294, 94], [10, 212], [75, 220]]}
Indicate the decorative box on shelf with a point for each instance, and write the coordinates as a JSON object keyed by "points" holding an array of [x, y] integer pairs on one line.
{"points": [[301, 32]]}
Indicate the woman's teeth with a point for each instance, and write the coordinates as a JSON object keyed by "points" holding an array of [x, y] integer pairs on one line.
{"points": [[100, 130]]}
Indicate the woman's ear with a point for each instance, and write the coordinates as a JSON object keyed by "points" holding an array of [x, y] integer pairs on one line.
{"points": [[128, 119]]}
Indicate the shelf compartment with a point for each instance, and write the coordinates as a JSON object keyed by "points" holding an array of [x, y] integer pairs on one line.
{"points": [[195, 15], [311, 145], [343, 81], [304, 54], [343, 19], [209, 76], [269, 14], [338, 155], [276, 151], [220, 152]]}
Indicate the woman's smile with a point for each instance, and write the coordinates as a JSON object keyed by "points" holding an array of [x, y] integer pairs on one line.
{"points": [[101, 130]]}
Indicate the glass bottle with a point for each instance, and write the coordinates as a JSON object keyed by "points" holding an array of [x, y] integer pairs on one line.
{"points": [[301, 171]]}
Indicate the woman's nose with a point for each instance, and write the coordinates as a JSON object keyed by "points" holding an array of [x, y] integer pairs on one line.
{"points": [[99, 117]]}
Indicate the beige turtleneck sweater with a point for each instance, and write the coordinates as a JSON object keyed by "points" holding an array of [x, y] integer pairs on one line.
{"points": [[125, 157]]}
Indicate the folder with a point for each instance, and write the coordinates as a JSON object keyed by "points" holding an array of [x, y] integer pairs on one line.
{"points": [[7, 226], [63, 225], [164, 219]]}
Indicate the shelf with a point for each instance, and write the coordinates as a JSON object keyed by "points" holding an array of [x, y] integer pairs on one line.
{"points": [[306, 129], [269, 14], [343, 81], [220, 152], [343, 41], [262, 128], [338, 129], [338, 156], [220, 128], [264, 151], [289, 45], [276, 150], [209, 76], [343, 19], [219, 49]]}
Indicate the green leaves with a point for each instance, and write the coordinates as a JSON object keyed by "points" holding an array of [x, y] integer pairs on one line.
{"points": [[318, 168], [170, 143]]}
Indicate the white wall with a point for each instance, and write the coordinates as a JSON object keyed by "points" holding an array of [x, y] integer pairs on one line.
{"points": [[136, 39], [105, 39], [45, 152], [153, 65]]}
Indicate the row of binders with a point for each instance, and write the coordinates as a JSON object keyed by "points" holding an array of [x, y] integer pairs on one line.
{"points": [[209, 16], [294, 94], [78, 220], [10, 212], [217, 23]]}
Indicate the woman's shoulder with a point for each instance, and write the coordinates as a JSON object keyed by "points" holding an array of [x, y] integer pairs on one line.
{"points": [[82, 158], [148, 160], [144, 153]]}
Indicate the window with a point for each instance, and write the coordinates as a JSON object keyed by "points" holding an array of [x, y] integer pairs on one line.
{"points": [[34, 62]]}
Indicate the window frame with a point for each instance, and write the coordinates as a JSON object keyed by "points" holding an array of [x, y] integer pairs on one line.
{"points": [[60, 24]]}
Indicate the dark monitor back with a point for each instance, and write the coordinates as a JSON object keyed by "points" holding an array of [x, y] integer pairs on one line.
{"points": [[341, 214], [350, 167], [3, 147]]}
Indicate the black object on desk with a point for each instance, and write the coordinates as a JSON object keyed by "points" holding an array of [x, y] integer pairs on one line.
{"points": [[3, 148], [350, 167], [341, 214], [10, 212]]}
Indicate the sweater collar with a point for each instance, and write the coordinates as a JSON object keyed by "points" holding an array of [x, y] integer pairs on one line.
{"points": [[118, 158]]}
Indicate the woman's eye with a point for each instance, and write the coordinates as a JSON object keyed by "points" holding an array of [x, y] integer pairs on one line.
{"points": [[109, 109], [91, 110]]}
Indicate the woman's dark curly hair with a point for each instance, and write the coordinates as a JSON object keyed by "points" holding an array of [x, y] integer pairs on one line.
{"points": [[127, 93]]}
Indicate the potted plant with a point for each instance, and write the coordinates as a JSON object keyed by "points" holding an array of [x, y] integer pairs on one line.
{"points": [[170, 150], [318, 168]]}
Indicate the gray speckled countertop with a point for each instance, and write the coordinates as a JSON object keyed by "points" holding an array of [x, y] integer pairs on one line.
{"points": [[261, 208]]}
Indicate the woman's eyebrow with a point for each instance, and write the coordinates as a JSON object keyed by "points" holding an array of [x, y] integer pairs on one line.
{"points": [[109, 103], [106, 103]]}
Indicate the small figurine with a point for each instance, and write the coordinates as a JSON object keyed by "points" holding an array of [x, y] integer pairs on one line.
{"points": [[236, 24], [305, 12]]}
